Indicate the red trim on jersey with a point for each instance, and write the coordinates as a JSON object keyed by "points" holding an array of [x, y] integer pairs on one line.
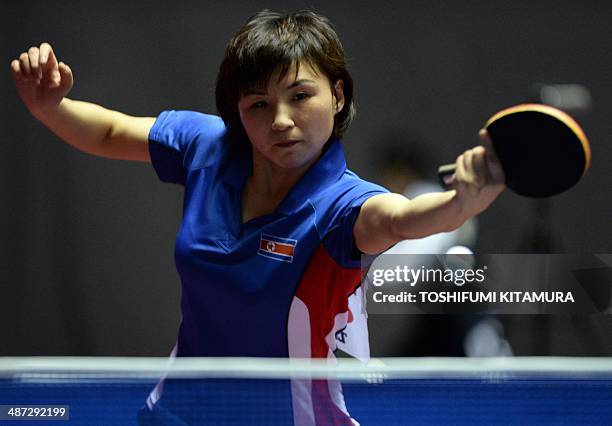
{"points": [[325, 288]]}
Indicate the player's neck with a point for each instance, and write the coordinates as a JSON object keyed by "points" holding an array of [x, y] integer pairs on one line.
{"points": [[267, 187], [271, 181]]}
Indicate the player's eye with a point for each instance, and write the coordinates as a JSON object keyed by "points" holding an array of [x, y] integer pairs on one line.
{"points": [[259, 105], [300, 96]]}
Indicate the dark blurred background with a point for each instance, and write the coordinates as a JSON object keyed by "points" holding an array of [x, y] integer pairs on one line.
{"points": [[87, 243]]}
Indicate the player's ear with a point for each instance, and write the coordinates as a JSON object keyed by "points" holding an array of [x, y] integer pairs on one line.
{"points": [[338, 90]]}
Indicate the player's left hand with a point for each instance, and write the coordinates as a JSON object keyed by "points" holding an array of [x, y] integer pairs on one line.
{"points": [[479, 177]]}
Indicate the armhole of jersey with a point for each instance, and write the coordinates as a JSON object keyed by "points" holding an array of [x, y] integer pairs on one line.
{"points": [[167, 162]]}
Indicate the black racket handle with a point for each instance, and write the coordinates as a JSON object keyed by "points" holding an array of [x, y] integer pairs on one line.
{"points": [[445, 174]]}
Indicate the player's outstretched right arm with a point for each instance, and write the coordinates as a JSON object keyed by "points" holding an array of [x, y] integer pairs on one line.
{"points": [[43, 84]]}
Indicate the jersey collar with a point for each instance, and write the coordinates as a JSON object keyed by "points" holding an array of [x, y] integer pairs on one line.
{"points": [[327, 170]]}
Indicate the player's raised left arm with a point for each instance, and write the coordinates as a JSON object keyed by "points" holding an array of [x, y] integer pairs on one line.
{"points": [[386, 219]]}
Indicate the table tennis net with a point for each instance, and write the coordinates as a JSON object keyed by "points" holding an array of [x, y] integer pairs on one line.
{"points": [[229, 391]]}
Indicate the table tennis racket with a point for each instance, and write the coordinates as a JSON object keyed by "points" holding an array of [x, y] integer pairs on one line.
{"points": [[543, 151]]}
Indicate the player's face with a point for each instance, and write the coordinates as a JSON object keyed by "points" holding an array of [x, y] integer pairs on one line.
{"points": [[289, 122]]}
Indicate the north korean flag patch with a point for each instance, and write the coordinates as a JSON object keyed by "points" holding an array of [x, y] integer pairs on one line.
{"points": [[277, 248]]}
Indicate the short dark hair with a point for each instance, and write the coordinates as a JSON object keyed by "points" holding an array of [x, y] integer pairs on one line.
{"points": [[270, 40]]}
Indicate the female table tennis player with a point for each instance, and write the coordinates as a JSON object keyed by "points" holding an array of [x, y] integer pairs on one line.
{"points": [[274, 223]]}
